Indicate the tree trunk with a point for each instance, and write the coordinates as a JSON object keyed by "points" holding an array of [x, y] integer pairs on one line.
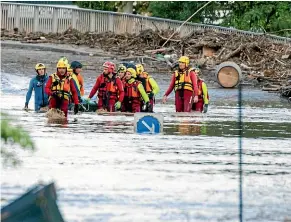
{"points": [[128, 8]]}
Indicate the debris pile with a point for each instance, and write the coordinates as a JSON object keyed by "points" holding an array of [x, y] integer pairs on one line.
{"points": [[56, 116], [259, 58]]}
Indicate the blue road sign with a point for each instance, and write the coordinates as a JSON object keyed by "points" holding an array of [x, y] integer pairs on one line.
{"points": [[148, 123]]}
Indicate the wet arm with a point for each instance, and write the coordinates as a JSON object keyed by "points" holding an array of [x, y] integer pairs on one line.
{"points": [[120, 89], [74, 91], [155, 86], [205, 93], [171, 87], [143, 93], [48, 86], [194, 83], [29, 92], [95, 88]]}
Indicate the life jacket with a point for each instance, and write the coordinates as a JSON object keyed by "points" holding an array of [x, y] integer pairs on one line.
{"points": [[144, 78], [131, 90], [200, 91], [63, 89], [183, 81], [108, 87]]}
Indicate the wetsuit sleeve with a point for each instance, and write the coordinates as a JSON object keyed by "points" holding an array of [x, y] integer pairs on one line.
{"points": [[77, 88], [48, 86], [205, 93], [29, 92], [120, 89], [95, 88], [171, 87], [194, 83], [155, 86], [74, 92], [143, 93]]}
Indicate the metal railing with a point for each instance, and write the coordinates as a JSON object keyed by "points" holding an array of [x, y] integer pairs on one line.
{"points": [[45, 18]]}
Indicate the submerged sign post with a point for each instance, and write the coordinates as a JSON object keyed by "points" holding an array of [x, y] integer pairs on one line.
{"points": [[148, 123]]}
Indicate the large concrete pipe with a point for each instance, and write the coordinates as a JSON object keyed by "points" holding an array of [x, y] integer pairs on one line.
{"points": [[228, 74]]}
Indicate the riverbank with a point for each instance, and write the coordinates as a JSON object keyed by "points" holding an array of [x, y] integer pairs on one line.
{"points": [[28, 54]]}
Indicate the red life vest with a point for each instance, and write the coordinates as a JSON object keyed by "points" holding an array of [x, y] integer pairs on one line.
{"points": [[108, 85]]}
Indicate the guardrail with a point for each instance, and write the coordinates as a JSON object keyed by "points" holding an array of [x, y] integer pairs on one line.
{"points": [[45, 18]]}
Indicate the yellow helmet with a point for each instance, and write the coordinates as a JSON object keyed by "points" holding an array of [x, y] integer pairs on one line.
{"points": [[121, 68], [139, 68], [185, 59], [39, 66], [132, 72], [63, 58], [62, 64]]}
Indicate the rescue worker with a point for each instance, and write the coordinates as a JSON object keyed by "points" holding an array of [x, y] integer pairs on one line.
{"points": [[203, 96], [121, 72], [150, 85], [37, 84], [184, 82], [77, 69], [110, 89], [74, 77], [59, 87], [133, 92]]}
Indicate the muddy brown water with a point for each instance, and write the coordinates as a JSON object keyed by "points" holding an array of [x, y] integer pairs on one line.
{"points": [[106, 172]]}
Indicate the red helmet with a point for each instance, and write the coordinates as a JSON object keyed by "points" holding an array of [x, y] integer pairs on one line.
{"points": [[110, 66]]}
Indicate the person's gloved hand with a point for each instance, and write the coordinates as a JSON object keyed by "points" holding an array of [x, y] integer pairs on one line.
{"points": [[80, 99], [26, 106], [87, 100], [54, 93], [151, 95], [205, 108], [55, 83], [117, 105], [149, 107], [76, 108]]}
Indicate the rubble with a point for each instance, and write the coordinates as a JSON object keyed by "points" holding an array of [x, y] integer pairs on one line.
{"points": [[259, 58]]}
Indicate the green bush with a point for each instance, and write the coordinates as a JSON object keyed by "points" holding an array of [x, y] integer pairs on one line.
{"points": [[11, 136]]}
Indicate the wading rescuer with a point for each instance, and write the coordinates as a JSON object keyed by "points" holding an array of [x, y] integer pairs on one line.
{"points": [[59, 87], [77, 69], [133, 92], [203, 95], [74, 77], [37, 84], [110, 89], [184, 82], [150, 85]]}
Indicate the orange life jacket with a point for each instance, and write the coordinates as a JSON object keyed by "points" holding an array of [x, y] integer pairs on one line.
{"points": [[144, 78], [131, 91], [63, 89], [183, 81], [108, 87], [81, 82]]}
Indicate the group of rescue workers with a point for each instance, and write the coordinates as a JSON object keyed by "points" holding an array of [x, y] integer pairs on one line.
{"points": [[128, 89]]}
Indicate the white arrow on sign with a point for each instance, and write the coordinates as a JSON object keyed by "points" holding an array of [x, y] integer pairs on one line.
{"points": [[151, 129]]}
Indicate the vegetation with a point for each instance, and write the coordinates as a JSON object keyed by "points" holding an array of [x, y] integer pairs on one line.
{"points": [[11, 138], [261, 16]]}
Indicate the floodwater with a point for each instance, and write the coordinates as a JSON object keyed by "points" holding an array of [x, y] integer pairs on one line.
{"points": [[106, 172]]}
